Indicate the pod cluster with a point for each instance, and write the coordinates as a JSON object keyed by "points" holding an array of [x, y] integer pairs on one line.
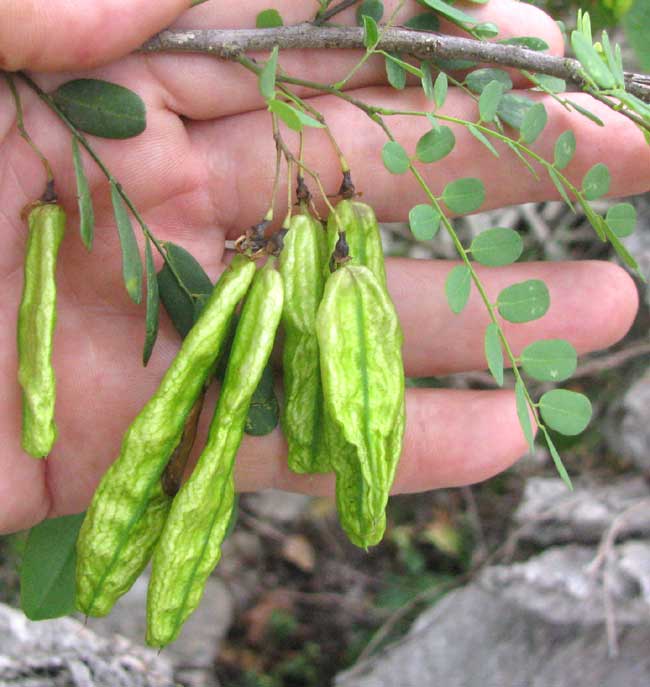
{"points": [[342, 363], [343, 411]]}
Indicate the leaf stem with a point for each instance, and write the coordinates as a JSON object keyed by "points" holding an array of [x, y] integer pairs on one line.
{"points": [[49, 101], [20, 123], [318, 116], [370, 50], [276, 179], [326, 15], [463, 253]]}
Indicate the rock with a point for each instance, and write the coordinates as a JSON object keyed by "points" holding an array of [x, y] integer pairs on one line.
{"points": [[198, 643], [241, 566], [538, 624], [634, 561], [629, 431], [563, 586], [550, 514], [282, 507], [64, 653]]}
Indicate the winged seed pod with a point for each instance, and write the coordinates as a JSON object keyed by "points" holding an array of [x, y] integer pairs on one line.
{"points": [[301, 262], [129, 507], [183, 311], [360, 343], [36, 323], [190, 545]]}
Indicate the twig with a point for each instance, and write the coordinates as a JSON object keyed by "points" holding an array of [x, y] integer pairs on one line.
{"points": [[363, 609], [230, 44], [262, 528], [608, 540], [605, 550], [607, 362], [333, 11], [402, 612], [23, 131]]}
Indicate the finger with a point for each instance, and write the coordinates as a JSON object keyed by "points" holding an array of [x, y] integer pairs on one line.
{"points": [[452, 438], [510, 17], [444, 343], [593, 305], [247, 140], [190, 83], [55, 35], [23, 490]]}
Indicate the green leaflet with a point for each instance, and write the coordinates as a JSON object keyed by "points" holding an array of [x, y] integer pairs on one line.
{"points": [[190, 545], [301, 262], [264, 410], [363, 383], [179, 306], [268, 19], [36, 323], [47, 568], [84, 199], [153, 305], [129, 507], [131, 262], [102, 108], [362, 235], [395, 158]]}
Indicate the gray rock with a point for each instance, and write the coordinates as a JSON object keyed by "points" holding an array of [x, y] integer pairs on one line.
{"points": [[634, 561], [64, 653], [193, 654], [535, 624], [630, 435], [242, 565], [551, 514], [564, 586], [280, 506]]}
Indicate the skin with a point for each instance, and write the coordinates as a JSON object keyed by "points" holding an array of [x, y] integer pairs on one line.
{"points": [[202, 172]]}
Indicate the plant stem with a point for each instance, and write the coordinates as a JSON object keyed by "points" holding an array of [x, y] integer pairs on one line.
{"points": [[231, 44], [460, 249], [23, 131], [276, 179], [318, 116], [322, 17], [49, 101], [370, 50]]}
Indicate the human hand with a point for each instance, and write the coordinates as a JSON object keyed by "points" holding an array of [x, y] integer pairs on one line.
{"points": [[201, 173]]}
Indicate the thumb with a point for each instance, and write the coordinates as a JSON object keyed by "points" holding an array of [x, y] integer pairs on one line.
{"points": [[53, 35]]}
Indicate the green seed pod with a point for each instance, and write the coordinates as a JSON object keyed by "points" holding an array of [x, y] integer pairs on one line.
{"points": [[361, 234], [360, 344], [301, 263], [190, 545], [183, 311], [36, 323], [129, 508]]}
